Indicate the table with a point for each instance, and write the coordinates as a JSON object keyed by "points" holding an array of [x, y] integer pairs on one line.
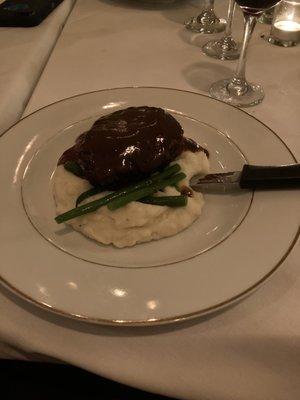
{"points": [[250, 351], [24, 53]]}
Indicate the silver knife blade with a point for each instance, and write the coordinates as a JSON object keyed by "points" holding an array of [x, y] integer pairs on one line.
{"points": [[216, 182]]}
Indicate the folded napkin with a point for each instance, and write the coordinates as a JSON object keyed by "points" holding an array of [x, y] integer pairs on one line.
{"points": [[24, 53]]}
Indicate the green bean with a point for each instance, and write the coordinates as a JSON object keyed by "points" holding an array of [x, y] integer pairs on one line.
{"points": [[177, 188], [87, 194], [138, 194], [74, 168], [94, 205], [84, 209], [168, 171], [169, 201]]}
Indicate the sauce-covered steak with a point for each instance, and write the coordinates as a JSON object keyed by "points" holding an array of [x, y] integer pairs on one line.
{"points": [[128, 145]]}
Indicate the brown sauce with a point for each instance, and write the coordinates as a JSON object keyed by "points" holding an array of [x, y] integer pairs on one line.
{"points": [[186, 191], [128, 145]]}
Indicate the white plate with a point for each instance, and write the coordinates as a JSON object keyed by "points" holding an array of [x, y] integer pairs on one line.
{"points": [[235, 245]]}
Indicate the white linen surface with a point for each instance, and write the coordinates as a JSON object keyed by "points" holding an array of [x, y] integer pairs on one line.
{"points": [[248, 352], [24, 52]]}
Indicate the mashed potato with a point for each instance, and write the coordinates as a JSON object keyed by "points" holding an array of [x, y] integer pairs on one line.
{"points": [[136, 222]]}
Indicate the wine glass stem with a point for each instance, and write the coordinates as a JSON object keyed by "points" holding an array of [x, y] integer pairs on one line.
{"points": [[231, 8], [207, 16], [238, 85], [250, 22]]}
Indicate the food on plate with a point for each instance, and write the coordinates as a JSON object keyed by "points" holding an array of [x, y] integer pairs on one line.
{"points": [[126, 180]]}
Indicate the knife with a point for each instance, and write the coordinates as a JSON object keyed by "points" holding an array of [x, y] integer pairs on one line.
{"points": [[251, 177]]}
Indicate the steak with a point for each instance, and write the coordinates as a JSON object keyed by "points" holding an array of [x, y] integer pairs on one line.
{"points": [[128, 145]]}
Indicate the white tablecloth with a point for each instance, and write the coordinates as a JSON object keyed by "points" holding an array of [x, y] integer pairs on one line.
{"points": [[248, 352], [23, 53]]}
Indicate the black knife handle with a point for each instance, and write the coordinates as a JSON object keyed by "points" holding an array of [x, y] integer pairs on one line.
{"points": [[261, 177]]}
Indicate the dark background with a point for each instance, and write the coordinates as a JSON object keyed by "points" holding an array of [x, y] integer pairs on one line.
{"points": [[36, 381]]}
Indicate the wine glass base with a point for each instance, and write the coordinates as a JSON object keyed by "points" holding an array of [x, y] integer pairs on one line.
{"points": [[279, 42], [254, 94], [199, 27], [223, 49]]}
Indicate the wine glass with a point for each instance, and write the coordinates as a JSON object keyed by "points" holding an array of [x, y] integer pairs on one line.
{"points": [[225, 48], [236, 90], [207, 21]]}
